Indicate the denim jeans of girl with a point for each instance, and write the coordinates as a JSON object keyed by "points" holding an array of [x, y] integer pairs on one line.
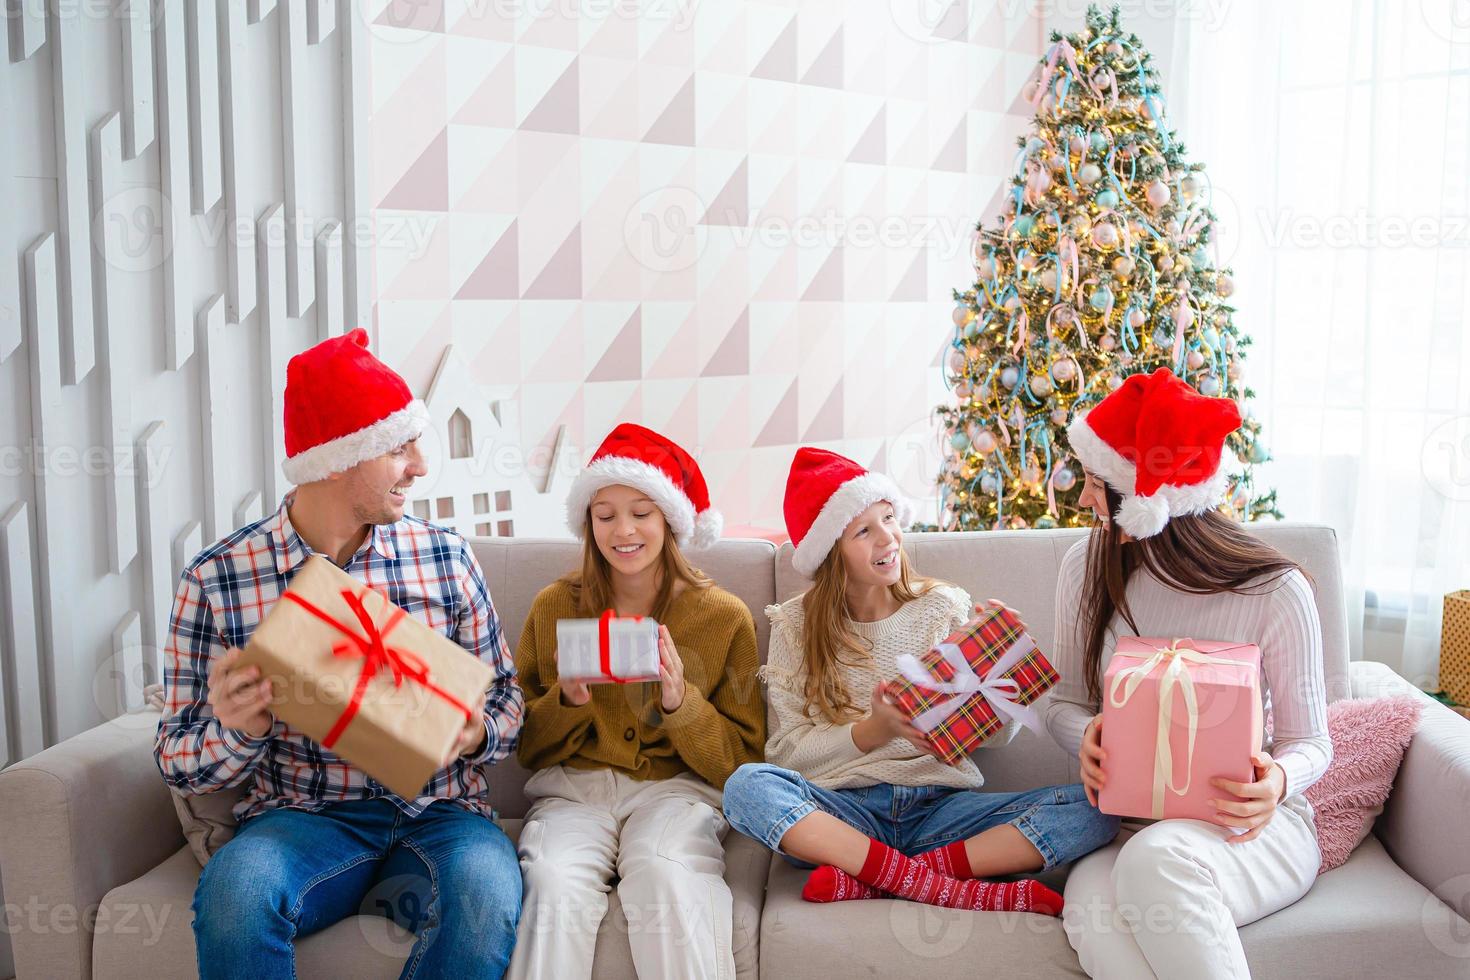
{"points": [[764, 801]]}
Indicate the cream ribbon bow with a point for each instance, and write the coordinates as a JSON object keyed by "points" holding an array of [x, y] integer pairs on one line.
{"points": [[1175, 673], [999, 692]]}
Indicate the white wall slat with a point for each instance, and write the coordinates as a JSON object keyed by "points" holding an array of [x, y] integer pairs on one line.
{"points": [[18, 620], [127, 662], [357, 271], [240, 226], [117, 422], [260, 8], [153, 515], [296, 157], [11, 328], [218, 399], [329, 295], [187, 544], [271, 304], [321, 20], [43, 331], [248, 510], [29, 32], [173, 154], [73, 253], [137, 42], [205, 184]]}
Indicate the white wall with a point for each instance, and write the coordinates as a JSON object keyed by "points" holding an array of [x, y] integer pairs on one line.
{"points": [[136, 419]]}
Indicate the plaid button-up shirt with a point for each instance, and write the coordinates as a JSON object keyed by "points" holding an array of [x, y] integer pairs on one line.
{"points": [[227, 590]]}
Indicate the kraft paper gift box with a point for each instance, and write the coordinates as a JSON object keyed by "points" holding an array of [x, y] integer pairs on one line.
{"points": [[963, 690], [364, 679], [1454, 647], [609, 650], [1176, 714]]}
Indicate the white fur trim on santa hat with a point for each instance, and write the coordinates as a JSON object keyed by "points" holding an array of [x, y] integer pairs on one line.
{"points": [[1143, 517], [678, 509], [1099, 457], [847, 502], [345, 452]]}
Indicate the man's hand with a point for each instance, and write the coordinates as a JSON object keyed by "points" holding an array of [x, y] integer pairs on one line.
{"points": [[472, 736], [239, 696]]}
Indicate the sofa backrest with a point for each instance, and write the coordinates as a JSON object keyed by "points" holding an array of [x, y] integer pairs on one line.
{"points": [[1018, 567]]}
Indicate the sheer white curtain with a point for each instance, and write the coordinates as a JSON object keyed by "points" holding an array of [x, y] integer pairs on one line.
{"points": [[1337, 134]]}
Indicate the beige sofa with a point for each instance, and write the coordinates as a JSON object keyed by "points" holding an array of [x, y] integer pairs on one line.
{"points": [[87, 828]]}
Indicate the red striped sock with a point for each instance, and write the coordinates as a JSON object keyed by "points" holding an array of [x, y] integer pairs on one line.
{"points": [[904, 877], [829, 884]]}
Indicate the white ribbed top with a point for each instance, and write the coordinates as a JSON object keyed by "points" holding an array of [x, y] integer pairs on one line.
{"points": [[1280, 618], [824, 753]]}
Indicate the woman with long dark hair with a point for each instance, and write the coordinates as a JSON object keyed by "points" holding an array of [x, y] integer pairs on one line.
{"points": [[1166, 897]]}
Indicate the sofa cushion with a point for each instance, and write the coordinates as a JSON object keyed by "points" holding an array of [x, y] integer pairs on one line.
{"points": [[1369, 737], [1367, 918], [145, 926]]}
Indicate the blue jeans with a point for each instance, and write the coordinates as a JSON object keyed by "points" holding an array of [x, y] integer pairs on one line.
{"points": [[764, 801], [448, 875]]}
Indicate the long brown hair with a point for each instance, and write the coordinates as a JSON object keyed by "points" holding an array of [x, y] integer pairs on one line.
{"points": [[592, 588], [1201, 554], [829, 641]]}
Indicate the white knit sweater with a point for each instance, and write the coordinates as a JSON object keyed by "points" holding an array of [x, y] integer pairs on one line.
{"points": [[1280, 618], [801, 740]]}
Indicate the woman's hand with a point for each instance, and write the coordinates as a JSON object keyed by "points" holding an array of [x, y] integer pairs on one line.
{"points": [[1092, 756], [885, 722], [574, 694], [991, 605], [1261, 798], [670, 672]]}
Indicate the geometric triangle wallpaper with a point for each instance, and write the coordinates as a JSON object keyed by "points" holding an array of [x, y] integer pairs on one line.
{"points": [[736, 223]]}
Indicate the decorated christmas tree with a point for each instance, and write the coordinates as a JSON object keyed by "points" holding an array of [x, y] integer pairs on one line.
{"points": [[1103, 264]]}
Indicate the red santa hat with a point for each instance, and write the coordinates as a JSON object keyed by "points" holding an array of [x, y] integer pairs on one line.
{"points": [[633, 456], [824, 492], [1159, 443], [344, 406]]}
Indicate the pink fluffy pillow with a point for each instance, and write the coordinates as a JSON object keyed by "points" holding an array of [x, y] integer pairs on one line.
{"points": [[1369, 739]]}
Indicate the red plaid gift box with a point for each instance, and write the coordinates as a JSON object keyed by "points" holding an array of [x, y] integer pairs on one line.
{"points": [[962, 691]]}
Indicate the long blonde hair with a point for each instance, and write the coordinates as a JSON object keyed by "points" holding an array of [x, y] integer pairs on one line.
{"points": [[592, 588], [829, 641]]}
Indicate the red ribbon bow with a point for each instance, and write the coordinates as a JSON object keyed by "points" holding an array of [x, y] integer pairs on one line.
{"points": [[604, 645], [376, 655]]}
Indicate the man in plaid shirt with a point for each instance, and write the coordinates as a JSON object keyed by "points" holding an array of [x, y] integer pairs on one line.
{"points": [[320, 839]]}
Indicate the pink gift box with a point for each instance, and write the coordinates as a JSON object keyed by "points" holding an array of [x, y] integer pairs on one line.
{"points": [[1155, 691]]}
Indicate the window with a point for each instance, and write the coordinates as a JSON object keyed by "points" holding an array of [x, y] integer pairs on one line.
{"points": [[445, 506]]}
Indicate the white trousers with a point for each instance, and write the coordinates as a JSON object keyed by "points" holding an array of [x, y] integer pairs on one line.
{"points": [[661, 838], [1166, 900]]}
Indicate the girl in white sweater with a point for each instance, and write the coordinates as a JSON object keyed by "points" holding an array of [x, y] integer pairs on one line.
{"points": [[849, 784], [1165, 898]]}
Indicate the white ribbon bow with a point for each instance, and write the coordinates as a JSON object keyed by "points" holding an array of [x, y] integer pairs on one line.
{"points": [[1175, 673], [998, 691]]}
